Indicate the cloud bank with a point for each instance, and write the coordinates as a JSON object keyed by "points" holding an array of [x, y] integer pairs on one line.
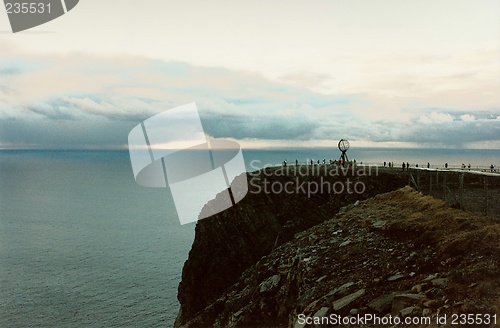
{"points": [[82, 100]]}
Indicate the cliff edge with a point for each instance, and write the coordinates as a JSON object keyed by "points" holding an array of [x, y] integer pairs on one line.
{"points": [[280, 202], [395, 256]]}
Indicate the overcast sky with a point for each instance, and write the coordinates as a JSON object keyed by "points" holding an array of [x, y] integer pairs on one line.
{"points": [[266, 73]]}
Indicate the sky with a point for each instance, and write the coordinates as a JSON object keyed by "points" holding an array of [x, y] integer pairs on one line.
{"points": [[264, 73]]}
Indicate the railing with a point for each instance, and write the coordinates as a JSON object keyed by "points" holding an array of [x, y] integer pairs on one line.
{"points": [[474, 191], [465, 167]]}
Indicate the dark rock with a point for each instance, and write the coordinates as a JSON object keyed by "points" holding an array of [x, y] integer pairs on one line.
{"points": [[270, 284], [345, 243], [439, 282], [402, 301], [396, 277], [323, 312], [408, 311], [382, 304], [339, 291], [346, 300], [434, 293], [432, 304], [417, 288], [379, 224]]}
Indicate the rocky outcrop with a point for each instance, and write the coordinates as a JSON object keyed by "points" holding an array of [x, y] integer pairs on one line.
{"points": [[397, 255], [230, 242]]}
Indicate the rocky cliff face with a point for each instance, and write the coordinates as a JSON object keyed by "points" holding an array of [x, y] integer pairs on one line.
{"points": [[280, 203], [396, 256]]}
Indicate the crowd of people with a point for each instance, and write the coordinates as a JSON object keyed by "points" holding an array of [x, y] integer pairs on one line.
{"points": [[319, 162], [404, 166]]}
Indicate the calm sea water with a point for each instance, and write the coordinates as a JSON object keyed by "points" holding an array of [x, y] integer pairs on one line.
{"points": [[81, 244]]}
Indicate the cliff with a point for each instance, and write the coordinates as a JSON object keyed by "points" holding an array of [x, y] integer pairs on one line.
{"points": [[399, 254], [280, 203]]}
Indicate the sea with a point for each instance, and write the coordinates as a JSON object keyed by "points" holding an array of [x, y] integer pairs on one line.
{"points": [[83, 245]]}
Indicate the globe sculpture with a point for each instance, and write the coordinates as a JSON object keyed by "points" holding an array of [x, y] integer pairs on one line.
{"points": [[343, 147]]}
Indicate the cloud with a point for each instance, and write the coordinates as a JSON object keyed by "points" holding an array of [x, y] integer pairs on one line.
{"points": [[435, 117], [271, 127], [468, 117], [456, 134], [9, 71], [83, 100], [465, 80]]}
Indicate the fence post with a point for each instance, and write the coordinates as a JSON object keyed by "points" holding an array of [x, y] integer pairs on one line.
{"points": [[418, 179], [461, 190], [412, 179], [430, 181], [485, 195], [444, 186], [437, 180]]}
